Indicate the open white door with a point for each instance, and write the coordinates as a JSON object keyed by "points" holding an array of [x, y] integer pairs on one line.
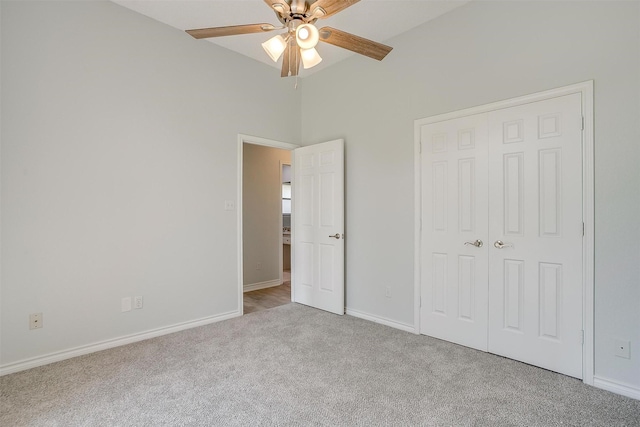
{"points": [[317, 269]]}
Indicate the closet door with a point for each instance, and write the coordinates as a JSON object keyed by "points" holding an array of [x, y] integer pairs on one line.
{"points": [[454, 231], [536, 229]]}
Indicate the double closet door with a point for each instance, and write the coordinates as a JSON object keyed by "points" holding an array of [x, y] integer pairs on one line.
{"points": [[502, 229]]}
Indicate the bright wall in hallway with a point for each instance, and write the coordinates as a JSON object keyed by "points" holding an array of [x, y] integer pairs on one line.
{"points": [[261, 212]]}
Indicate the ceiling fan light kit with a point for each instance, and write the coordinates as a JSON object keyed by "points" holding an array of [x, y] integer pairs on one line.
{"points": [[307, 36], [298, 17], [310, 57], [274, 47]]}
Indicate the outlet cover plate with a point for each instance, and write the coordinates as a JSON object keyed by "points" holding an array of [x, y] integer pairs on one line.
{"points": [[125, 305], [35, 321], [622, 348], [137, 302]]}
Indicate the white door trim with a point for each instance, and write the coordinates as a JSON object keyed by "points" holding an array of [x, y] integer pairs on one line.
{"points": [[242, 139], [586, 89], [281, 250]]}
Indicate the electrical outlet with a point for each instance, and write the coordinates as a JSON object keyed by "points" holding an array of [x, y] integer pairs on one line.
{"points": [[125, 305], [137, 302], [621, 348], [387, 292], [259, 266], [35, 321], [229, 205]]}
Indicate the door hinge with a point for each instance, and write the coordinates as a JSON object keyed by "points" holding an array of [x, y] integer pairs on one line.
{"points": [[420, 147], [582, 123], [583, 229], [582, 336]]}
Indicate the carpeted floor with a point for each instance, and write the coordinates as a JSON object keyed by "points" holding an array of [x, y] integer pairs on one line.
{"points": [[294, 365]]}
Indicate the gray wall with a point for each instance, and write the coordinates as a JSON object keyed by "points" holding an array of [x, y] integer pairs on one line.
{"points": [[261, 206], [119, 148], [480, 53]]}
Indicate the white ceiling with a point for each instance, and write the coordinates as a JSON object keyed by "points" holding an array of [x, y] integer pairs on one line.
{"points": [[377, 20]]}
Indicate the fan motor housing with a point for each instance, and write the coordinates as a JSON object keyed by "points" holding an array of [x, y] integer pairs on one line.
{"points": [[296, 18]]}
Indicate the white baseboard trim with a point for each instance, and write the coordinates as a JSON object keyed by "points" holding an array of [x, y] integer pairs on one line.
{"points": [[34, 362], [377, 319], [261, 285], [616, 387]]}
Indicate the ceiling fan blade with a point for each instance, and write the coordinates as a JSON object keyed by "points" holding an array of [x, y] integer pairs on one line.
{"points": [[285, 62], [280, 6], [354, 43], [291, 60], [233, 30], [329, 7]]}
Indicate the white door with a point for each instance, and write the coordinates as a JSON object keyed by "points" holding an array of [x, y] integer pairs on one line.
{"points": [[535, 210], [511, 178], [318, 226], [454, 236]]}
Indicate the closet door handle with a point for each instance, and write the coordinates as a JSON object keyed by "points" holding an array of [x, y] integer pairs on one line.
{"points": [[477, 243], [500, 244]]}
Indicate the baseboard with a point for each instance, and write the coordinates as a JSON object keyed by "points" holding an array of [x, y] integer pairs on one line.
{"points": [[616, 387], [377, 319], [261, 285], [116, 342]]}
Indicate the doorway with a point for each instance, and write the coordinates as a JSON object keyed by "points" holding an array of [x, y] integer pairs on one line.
{"points": [[317, 227], [275, 295], [505, 229], [261, 222]]}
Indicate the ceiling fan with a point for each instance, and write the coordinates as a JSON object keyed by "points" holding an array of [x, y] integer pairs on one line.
{"points": [[298, 42]]}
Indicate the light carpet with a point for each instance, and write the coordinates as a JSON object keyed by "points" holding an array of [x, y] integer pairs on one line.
{"points": [[294, 365]]}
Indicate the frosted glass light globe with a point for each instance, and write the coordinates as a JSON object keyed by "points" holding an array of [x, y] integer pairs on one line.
{"points": [[307, 36]]}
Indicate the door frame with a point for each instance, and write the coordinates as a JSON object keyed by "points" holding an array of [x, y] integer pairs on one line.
{"points": [[255, 140], [588, 286], [282, 164]]}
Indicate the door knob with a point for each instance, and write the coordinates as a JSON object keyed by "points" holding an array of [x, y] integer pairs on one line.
{"points": [[336, 236], [500, 244], [477, 243]]}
